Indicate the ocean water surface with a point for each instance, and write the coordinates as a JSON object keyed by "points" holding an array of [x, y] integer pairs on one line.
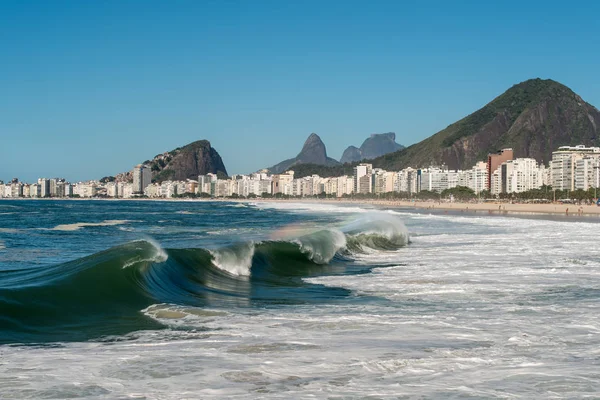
{"points": [[172, 300]]}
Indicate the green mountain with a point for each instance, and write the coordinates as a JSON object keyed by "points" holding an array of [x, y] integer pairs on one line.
{"points": [[534, 117]]}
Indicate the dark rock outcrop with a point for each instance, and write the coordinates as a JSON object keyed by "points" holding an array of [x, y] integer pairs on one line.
{"points": [[187, 162], [375, 146], [313, 152]]}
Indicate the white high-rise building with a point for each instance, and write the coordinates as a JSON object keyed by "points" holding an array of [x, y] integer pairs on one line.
{"points": [[34, 190], [437, 180], [475, 178], [362, 178], [564, 163], [384, 181], [587, 173], [44, 187], [518, 175], [142, 177]]}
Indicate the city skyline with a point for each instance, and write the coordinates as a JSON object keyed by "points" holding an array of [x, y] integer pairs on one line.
{"points": [[91, 90], [572, 169]]}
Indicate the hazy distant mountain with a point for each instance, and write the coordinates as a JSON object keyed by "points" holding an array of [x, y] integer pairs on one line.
{"points": [[376, 145], [534, 118], [187, 162], [313, 152]]}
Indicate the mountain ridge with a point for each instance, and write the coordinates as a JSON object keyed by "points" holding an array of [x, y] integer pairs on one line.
{"points": [[533, 117]]}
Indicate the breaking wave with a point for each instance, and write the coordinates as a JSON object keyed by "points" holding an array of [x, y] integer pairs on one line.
{"points": [[105, 293]]}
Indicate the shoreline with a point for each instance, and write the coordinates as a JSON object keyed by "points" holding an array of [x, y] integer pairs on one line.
{"points": [[482, 208], [493, 208]]}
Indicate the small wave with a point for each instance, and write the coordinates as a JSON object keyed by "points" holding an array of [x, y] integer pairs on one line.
{"points": [[8, 230], [2, 246], [159, 255], [237, 205], [172, 311], [78, 225]]}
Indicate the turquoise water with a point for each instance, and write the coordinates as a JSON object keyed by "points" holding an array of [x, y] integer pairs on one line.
{"points": [[171, 300], [82, 270]]}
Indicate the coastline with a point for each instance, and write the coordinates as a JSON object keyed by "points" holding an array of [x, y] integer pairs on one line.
{"points": [[483, 208], [487, 208]]}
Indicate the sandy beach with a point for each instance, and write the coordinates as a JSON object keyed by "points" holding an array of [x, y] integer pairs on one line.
{"points": [[483, 207]]}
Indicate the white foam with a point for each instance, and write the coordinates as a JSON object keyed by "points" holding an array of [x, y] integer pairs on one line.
{"points": [[313, 208], [78, 225], [472, 308]]}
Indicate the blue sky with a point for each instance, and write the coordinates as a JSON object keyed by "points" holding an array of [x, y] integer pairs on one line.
{"points": [[90, 88]]}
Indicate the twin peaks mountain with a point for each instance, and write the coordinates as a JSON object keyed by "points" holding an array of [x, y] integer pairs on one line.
{"points": [[534, 118], [313, 152], [375, 146]]}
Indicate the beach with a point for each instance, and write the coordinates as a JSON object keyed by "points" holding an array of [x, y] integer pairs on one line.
{"points": [[483, 207]]}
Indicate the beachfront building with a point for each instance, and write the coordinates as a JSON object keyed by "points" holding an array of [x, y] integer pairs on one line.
{"points": [[406, 181], [384, 181], [206, 183], [495, 160], [44, 187], [16, 189], [436, 179], [281, 183], [564, 165], [34, 190], [345, 185], [191, 186], [587, 173], [153, 190], [85, 189], [363, 178], [125, 190], [475, 178], [142, 177], [112, 189], [518, 175]]}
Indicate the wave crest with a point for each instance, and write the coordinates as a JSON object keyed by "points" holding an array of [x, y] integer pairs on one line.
{"points": [[235, 260], [322, 246]]}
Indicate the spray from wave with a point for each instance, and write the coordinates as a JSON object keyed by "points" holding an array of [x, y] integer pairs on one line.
{"points": [[376, 232], [235, 260]]}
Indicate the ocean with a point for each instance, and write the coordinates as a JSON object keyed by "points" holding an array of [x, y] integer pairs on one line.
{"points": [[200, 300]]}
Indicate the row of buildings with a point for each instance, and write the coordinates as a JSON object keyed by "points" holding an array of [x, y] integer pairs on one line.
{"points": [[571, 168]]}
